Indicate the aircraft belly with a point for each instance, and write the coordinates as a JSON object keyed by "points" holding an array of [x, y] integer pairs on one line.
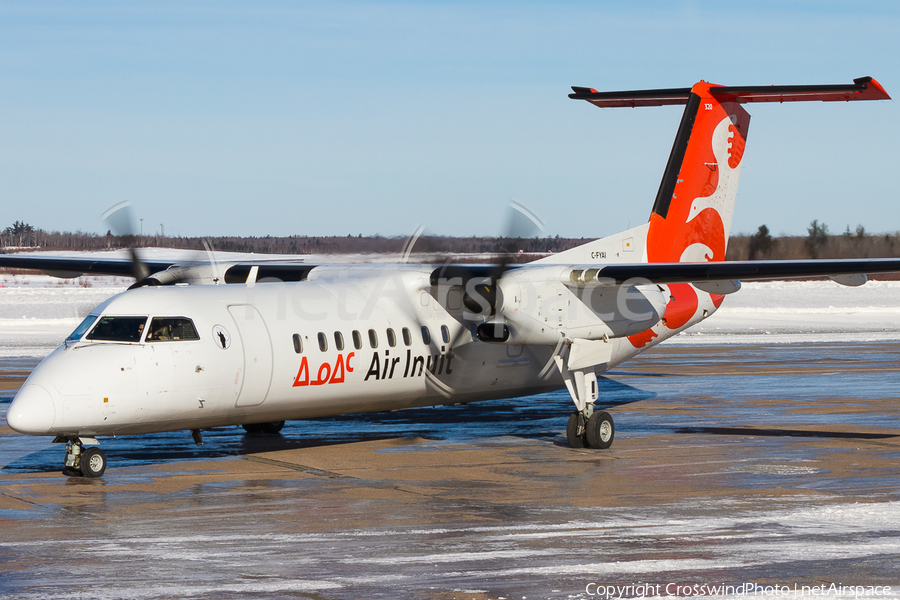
{"points": [[476, 372]]}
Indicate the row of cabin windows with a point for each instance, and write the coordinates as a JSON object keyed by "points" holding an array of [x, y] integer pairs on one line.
{"points": [[373, 339]]}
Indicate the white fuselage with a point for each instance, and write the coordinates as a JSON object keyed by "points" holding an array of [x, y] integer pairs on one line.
{"points": [[345, 342]]}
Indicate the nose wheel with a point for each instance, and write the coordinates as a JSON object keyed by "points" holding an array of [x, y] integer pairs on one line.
{"points": [[90, 462]]}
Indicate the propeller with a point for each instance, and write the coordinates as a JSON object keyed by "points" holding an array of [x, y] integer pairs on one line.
{"points": [[119, 219], [213, 264], [521, 223], [483, 298], [411, 242]]}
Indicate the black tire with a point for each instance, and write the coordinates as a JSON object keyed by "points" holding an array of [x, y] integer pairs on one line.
{"points": [[575, 440], [271, 427], [600, 430], [93, 462]]}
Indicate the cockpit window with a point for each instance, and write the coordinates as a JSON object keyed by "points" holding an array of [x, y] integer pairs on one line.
{"points": [[170, 329], [117, 329], [79, 331]]}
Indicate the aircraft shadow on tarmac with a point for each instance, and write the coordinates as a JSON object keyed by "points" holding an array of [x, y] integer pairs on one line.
{"points": [[537, 417], [804, 433]]}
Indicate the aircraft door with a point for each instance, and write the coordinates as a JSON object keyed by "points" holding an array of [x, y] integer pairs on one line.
{"points": [[257, 348]]}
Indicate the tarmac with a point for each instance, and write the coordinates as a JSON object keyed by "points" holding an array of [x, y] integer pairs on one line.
{"points": [[732, 466]]}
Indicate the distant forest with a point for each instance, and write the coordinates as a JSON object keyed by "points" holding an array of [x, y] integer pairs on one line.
{"points": [[818, 243]]}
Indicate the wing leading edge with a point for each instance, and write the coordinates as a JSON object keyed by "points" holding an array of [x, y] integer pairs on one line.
{"points": [[665, 273], [74, 267]]}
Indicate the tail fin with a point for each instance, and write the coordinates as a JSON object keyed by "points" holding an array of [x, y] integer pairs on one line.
{"points": [[692, 213]]}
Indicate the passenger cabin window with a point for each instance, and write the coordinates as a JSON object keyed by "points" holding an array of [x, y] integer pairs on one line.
{"points": [[323, 342], [357, 340], [171, 329], [118, 329], [338, 341], [407, 336], [392, 337], [426, 336], [373, 338], [298, 343], [445, 334]]}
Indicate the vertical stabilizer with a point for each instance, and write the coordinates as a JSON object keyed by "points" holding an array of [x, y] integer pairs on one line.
{"points": [[692, 213]]}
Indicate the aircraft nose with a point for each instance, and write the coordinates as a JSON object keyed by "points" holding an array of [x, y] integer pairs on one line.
{"points": [[32, 411]]}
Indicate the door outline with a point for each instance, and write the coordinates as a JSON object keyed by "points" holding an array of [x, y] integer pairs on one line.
{"points": [[256, 377]]}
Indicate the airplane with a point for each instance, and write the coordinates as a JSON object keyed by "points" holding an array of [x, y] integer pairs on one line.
{"points": [[192, 346]]}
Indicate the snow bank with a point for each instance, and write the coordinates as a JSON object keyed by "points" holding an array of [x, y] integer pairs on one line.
{"points": [[37, 312]]}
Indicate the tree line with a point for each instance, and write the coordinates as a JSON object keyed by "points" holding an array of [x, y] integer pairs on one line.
{"points": [[818, 243], [22, 236]]}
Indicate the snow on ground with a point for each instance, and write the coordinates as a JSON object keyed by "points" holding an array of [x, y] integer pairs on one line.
{"points": [[37, 312], [808, 311], [175, 254]]}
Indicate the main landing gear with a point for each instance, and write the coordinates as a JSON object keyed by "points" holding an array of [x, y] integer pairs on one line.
{"points": [[89, 462], [587, 428], [271, 427], [595, 431]]}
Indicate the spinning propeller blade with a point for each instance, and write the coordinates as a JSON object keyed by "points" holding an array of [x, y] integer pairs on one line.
{"points": [[120, 220]]}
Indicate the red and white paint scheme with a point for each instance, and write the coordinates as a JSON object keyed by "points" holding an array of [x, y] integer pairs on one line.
{"points": [[193, 346]]}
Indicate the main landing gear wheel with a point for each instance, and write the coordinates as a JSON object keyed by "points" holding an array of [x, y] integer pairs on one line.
{"points": [[93, 462], [575, 430], [271, 427], [599, 431]]}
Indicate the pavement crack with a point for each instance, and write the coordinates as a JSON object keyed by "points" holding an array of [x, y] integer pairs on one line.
{"points": [[301, 468], [333, 475], [29, 502]]}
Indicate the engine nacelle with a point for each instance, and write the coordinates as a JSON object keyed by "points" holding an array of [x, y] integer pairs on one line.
{"points": [[540, 309], [204, 274]]}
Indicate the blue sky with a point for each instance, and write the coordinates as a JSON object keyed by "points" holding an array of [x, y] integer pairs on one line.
{"points": [[336, 118]]}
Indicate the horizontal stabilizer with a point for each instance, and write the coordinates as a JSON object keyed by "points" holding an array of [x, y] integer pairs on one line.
{"points": [[864, 88]]}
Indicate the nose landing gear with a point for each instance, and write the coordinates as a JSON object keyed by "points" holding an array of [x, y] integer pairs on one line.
{"points": [[90, 462]]}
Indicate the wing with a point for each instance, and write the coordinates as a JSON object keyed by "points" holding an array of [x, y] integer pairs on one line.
{"points": [[61, 266], [165, 272], [761, 270]]}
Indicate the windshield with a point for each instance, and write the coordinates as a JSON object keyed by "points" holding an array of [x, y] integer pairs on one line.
{"points": [[169, 329], [118, 329], [79, 331]]}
